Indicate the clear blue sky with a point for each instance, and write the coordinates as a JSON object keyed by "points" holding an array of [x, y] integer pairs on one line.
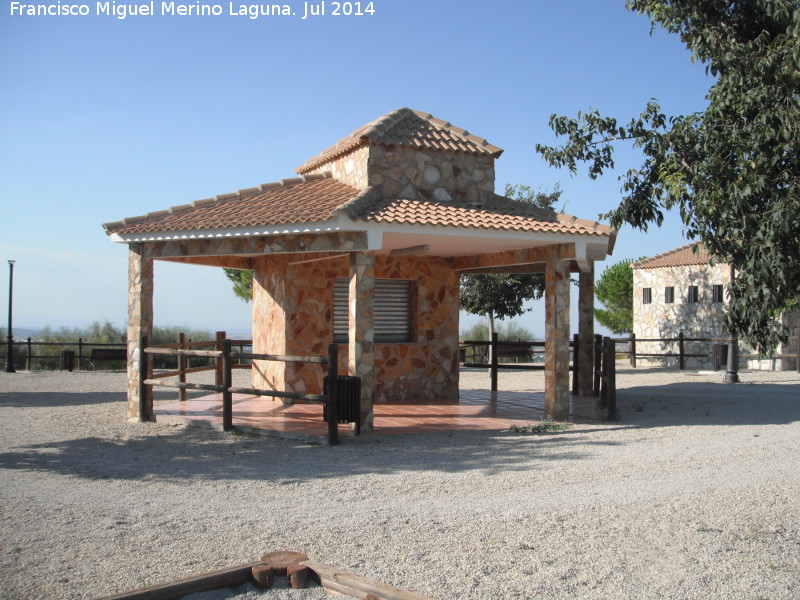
{"points": [[102, 118]]}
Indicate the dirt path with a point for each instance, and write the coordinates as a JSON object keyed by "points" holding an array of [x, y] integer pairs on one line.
{"points": [[693, 493]]}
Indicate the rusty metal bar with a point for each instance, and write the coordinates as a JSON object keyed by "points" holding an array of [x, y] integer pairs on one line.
{"points": [[281, 357]]}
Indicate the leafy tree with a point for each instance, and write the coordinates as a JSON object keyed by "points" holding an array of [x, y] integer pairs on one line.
{"points": [[242, 280], [503, 295], [614, 290], [511, 332], [733, 170]]}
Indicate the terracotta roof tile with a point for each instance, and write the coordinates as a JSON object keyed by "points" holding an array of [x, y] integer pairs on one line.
{"points": [[407, 128], [694, 253], [301, 200], [500, 214]]}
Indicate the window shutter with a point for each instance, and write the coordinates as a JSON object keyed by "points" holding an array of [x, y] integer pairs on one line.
{"points": [[341, 317], [392, 315], [392, 310]]}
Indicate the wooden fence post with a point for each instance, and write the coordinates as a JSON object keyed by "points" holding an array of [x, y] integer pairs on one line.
{"points": [[220, 337], [598, 364], [493, 363], [145, 411], [333, 394], [632, 344], [611, 378], [603, 372], [680, 351], [575, 362], [182, 364], [29, 357], [80, 352], [227, 384]]}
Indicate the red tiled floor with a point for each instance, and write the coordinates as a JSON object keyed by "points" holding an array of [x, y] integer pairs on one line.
{"points": [[476, 410]]}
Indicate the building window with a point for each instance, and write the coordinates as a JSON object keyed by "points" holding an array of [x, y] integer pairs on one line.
{"points": [[716, 292], [647, 295], [392, 316], [669, 295], [693, 294]]}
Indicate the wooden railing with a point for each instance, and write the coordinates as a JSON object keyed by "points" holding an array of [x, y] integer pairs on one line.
{"points": [[223, 365], [681, 355], [603, 364], [82, 351]]}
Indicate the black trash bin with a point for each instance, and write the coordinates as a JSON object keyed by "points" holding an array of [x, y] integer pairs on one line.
{"points": [[349, 404], [67, 360]]}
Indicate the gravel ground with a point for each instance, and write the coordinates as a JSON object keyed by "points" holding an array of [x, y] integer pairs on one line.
{"points": [[692, 493]]}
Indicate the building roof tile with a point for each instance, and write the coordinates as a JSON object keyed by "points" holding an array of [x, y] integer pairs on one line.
{"points": [[314, 198], [694, 253], [499, 213], [300, 200], [407, 128]]}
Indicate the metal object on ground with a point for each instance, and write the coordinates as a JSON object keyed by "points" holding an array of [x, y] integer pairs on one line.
{"points": [[348, 392]]}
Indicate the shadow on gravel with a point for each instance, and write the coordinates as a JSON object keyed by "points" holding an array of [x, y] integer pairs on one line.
{"points": [[56, 399], [194, 453], [53, 399], [707, 403]]}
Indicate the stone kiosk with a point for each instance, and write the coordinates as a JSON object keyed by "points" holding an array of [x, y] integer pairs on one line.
{"points": [[366, 248]]}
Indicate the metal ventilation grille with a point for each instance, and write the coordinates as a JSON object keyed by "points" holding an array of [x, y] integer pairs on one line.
{"points": [[392, 310]]}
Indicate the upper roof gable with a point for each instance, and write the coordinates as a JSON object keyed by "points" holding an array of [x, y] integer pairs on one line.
{"points": [[407, 128]]}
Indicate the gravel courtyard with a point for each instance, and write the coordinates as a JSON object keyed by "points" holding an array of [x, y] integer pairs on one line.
{"points": [[693, 493]]}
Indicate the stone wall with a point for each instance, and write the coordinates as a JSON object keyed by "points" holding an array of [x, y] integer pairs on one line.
{"points": [[302, 311], [702, 319], [350, 168], [416, 174]]}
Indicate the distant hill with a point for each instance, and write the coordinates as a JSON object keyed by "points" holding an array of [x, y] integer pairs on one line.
{"points": [[22, 333]]}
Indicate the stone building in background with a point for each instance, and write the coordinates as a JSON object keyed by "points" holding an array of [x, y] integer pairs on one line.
{"points": [[680, 291]]}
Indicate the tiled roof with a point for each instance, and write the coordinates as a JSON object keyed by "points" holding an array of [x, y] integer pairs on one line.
{"points": [[301, 200], [499, 213], [314, 198], [690, 254], [407, 128]]}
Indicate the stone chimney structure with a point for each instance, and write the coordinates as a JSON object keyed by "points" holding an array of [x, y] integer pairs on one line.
{"points": [[411, 155]]}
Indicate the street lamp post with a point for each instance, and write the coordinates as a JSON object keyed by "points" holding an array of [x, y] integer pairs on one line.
{"points": [[10, 347]]}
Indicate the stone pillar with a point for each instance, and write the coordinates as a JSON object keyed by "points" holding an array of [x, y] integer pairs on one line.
{"points": [[361, 355], [140, 322], [270, 292], [585, 330], [556, 354]]}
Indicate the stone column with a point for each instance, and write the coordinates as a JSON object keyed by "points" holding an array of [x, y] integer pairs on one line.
{"points": [[361, 355], [556, 354], [140, 322], [270, 296], [585, 330]]}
